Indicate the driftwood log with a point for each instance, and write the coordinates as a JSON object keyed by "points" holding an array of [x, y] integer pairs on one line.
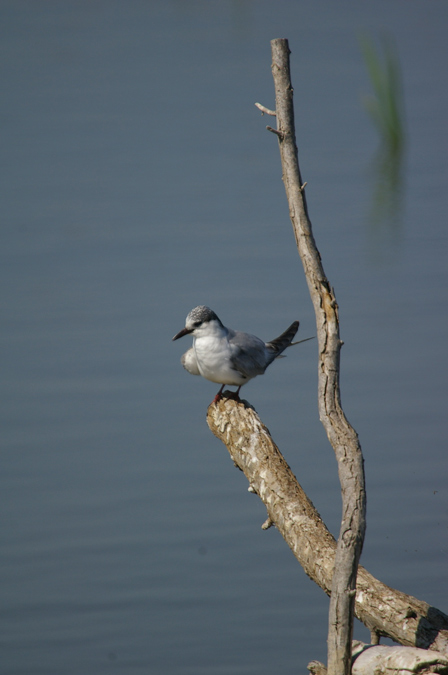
{"points": [[384, 610], [382, 660]]}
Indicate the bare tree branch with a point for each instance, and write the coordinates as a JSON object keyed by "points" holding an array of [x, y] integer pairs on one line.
{"points": [[265, 110], [387, 611], [340, 433], [276, 132]]}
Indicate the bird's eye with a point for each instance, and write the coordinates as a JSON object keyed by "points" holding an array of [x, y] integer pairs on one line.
{"points": [[197, 324]]}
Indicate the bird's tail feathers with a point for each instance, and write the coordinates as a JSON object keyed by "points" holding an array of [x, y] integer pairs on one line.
{"points": [[278, 345], [299, 342]]}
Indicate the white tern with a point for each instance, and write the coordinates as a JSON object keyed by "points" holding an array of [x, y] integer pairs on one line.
{"points": [[228, 356]]}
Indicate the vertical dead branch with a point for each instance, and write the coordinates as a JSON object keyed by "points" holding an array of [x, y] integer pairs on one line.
{"points": [[340, 433]]}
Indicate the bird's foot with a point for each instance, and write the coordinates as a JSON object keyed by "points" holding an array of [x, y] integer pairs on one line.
{"points": [[234, 395], [218, 396]]}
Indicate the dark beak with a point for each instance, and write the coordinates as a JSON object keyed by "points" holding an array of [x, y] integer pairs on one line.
{"points": [[184, 331]]}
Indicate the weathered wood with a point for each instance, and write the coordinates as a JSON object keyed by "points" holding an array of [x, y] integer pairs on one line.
{"points": [[387, 611], [341, 434], [383, 660]]}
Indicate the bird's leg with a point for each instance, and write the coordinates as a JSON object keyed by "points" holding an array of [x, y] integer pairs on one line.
{"points": [[235, 394], [218, 395]]}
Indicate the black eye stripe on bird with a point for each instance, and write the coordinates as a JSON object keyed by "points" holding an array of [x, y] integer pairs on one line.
{"points": [[226, 356]]}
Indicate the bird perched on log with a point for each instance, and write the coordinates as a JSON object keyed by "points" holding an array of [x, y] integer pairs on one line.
{"points": [[228, 356]]}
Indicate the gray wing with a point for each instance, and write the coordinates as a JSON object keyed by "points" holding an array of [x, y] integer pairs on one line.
{"points": [[249, 355]]}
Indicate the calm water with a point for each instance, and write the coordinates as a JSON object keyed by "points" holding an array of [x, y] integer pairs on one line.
{"points": [[139, 181]]}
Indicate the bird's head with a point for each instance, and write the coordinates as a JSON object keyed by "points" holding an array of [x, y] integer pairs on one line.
{"points": [[200, 321]]}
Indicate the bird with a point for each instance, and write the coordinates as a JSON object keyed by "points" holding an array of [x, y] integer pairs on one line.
{"points": [[226, 356]]}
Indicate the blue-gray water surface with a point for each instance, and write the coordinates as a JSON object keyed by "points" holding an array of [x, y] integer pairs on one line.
{"points": [[138, 181]]}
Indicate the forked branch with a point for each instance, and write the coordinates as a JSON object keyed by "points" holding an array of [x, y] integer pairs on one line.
{"points": [[384, 610]]}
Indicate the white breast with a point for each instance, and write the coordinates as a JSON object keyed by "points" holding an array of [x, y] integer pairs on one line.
{"points": [[214, 362]]}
